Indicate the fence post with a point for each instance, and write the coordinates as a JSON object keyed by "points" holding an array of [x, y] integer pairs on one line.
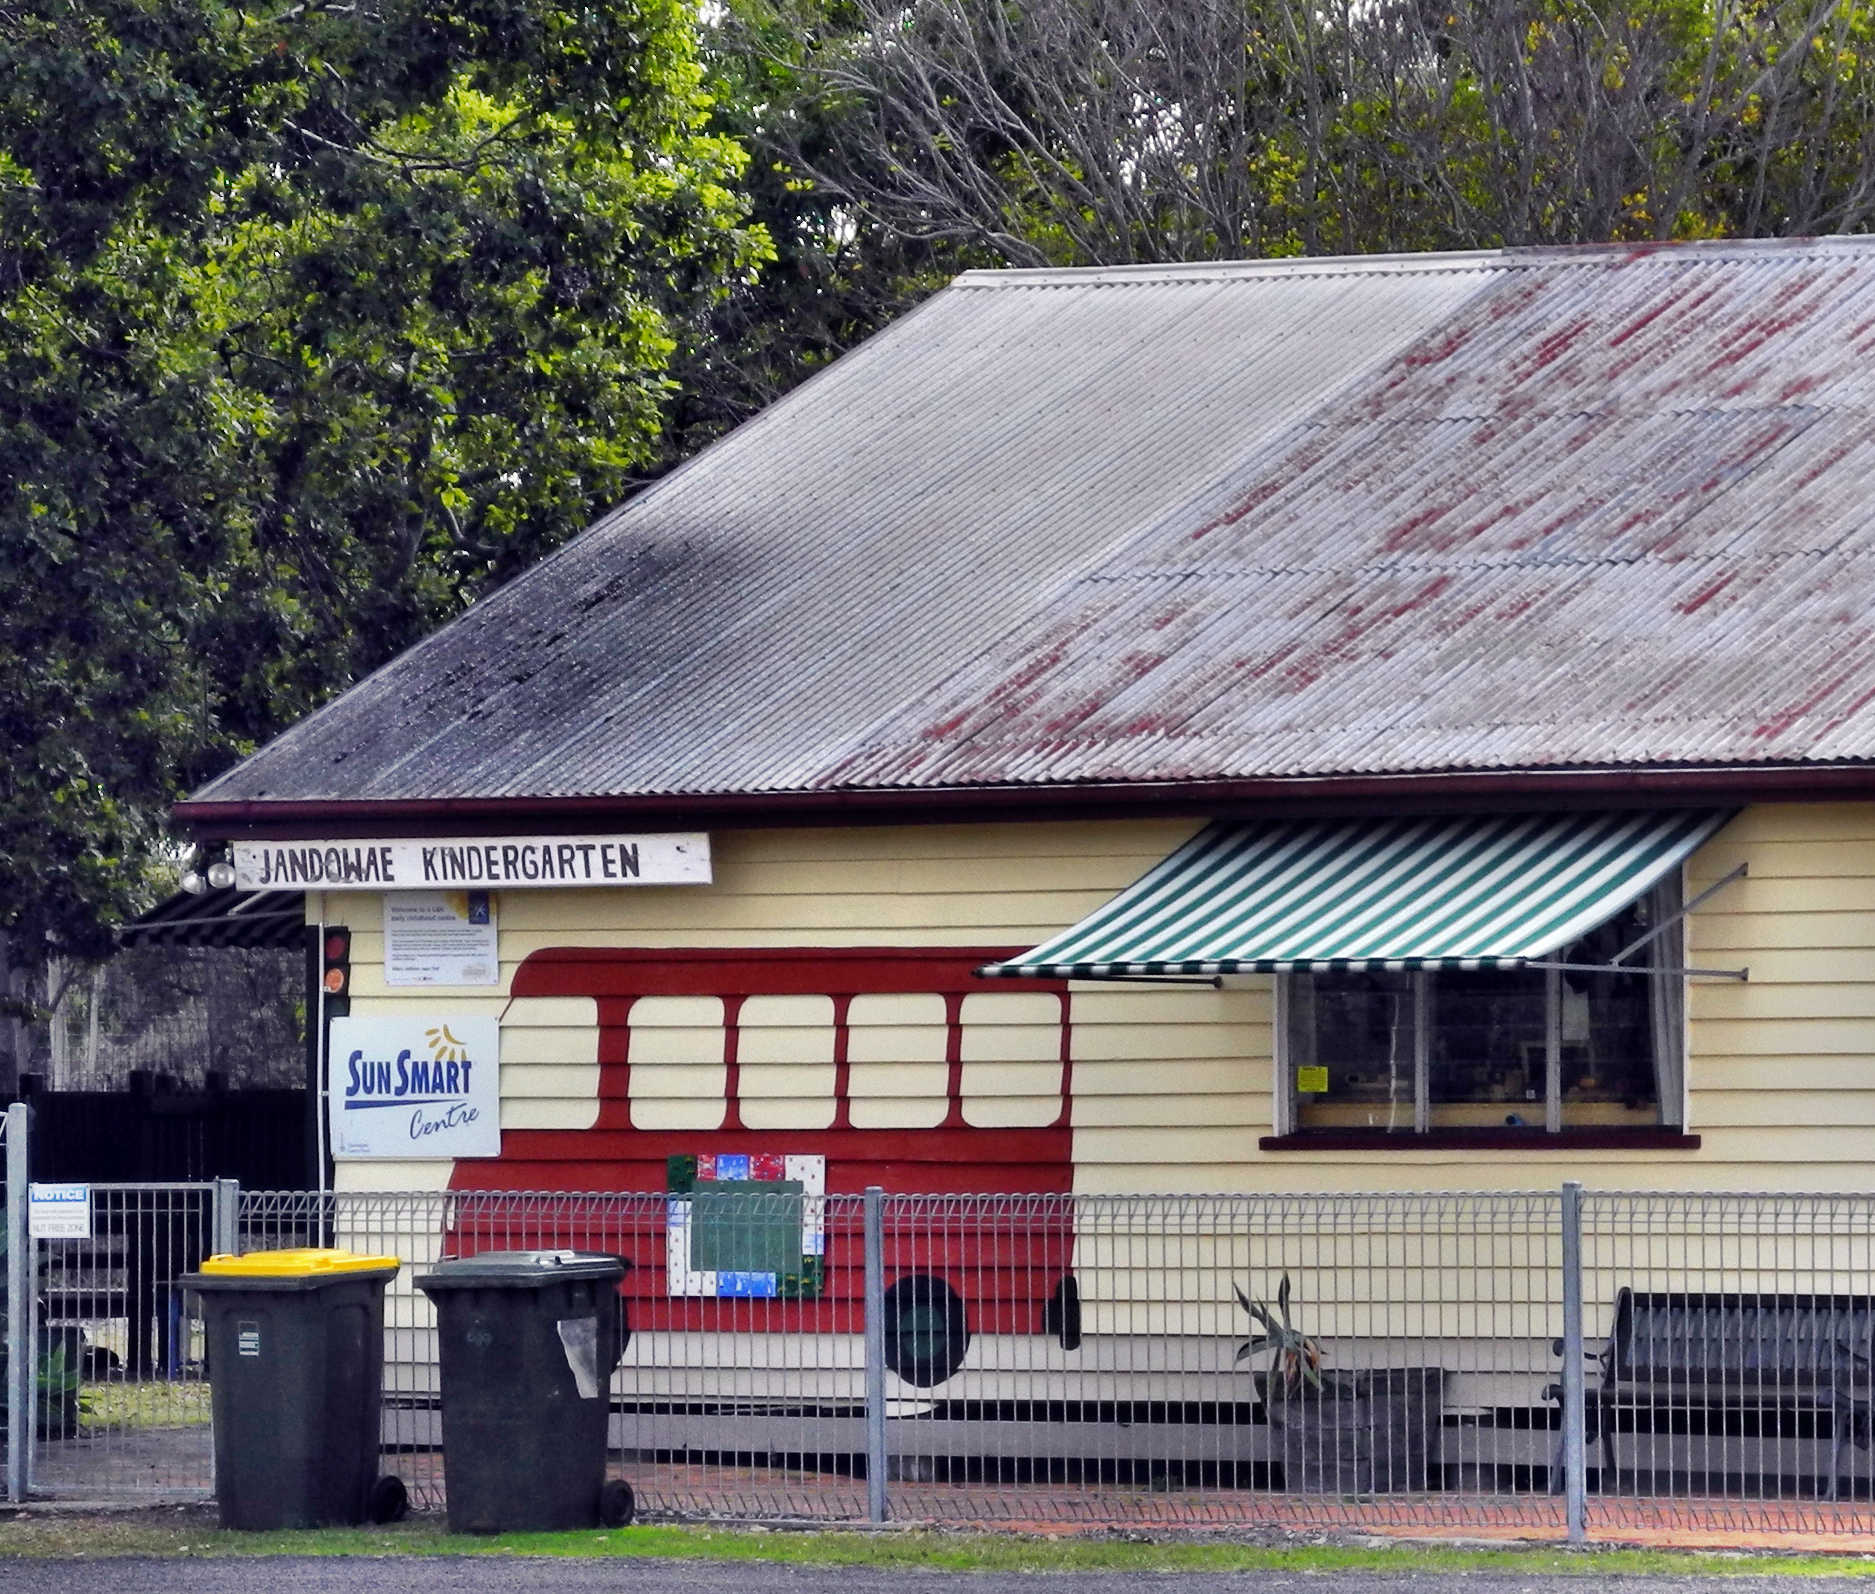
{"points": [[227, 1239], [20, 1313], [1574, 1448], [874, 1210]]}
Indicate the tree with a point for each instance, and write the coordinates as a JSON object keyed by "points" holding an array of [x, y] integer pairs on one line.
{"points": [[831, 282], [1115, 131], [316, 322]]}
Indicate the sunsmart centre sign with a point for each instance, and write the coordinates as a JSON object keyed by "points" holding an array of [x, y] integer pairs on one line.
{"points": [[414, 1087], [473, 862]]}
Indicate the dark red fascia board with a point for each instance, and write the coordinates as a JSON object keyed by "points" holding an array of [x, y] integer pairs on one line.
{"points": [[1436, 791]]}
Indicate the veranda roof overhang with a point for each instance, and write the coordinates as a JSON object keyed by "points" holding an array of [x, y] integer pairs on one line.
{"points": [[1476, 891], [225, 917]]}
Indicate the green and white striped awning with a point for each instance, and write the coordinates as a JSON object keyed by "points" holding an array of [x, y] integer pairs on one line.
{"points": [[1476, 891]]}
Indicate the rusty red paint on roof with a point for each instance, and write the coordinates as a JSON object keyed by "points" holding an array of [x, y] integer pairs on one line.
{"points": [[1524, 511]]}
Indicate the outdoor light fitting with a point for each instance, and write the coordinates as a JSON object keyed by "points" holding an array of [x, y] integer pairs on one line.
{"points": [[208, 869]]}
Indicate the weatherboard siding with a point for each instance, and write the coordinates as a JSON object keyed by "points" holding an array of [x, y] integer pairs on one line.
{"points": [[1172, 1087], [1783, 1066]]}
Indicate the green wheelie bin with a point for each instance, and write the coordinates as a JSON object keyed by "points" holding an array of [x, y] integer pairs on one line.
{"points": [[528, 1341], [295, 1345]]}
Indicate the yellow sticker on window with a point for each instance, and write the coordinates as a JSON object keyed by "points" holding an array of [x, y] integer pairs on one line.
{"points": [[1311, 1081]]}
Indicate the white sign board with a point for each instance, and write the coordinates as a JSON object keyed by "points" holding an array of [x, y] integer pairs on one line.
{"points": [[414, 1087], [469, 863], [58, 1211], [440, 938]]}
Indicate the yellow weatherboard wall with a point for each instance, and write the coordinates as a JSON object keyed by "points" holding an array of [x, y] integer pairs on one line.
{"points": [[1173, 1085]]}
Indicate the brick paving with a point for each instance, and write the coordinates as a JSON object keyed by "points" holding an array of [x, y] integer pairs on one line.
{"points": [[175, 1462], [1702, 1522]]}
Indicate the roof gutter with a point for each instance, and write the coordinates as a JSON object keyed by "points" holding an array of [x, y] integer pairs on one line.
{"points": [[1443, 791]]}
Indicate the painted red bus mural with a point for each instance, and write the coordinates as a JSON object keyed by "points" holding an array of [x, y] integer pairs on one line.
{"points": [[731, 1190]]}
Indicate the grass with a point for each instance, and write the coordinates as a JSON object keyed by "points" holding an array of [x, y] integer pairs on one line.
{"points": [[178, 1531], [125, 1406]]}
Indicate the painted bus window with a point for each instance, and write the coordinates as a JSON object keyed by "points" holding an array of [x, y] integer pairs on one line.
{"points": [[895, 1049], [784, 1053], [677, 1067], [1011, 1058]]}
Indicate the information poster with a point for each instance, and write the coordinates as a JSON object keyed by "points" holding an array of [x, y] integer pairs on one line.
{"points": [[425, 1086], [440, 938]]}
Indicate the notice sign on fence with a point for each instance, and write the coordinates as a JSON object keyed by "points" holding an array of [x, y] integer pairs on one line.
{"points": [[58, 1211]]}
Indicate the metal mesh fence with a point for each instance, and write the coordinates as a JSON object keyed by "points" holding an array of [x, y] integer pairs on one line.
{"points": [[724, 1404], [1048, 1358], [122, 1402], [15, 1396], [1348, 1360], [179, 1013], [1106, 1382], [1731, 1359]]}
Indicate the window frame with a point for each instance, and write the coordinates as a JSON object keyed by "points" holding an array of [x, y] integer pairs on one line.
{"points": [[1665, 970]]}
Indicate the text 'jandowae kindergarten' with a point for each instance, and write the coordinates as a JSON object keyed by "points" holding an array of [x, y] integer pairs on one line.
{"points": [[424, 864]]}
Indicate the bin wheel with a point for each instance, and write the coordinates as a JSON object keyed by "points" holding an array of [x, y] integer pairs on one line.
{"points": [[617, 1504], [925, 1331], [388, 1500]]}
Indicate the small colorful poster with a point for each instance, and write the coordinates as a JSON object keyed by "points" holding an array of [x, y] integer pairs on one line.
{"points": [[746, 1224]]}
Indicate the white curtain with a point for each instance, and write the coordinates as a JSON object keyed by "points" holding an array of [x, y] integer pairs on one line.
{"points": [[1668, 951]]}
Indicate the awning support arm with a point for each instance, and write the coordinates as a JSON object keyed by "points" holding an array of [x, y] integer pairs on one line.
{"points": [[1612, 968], [1665, 925]]}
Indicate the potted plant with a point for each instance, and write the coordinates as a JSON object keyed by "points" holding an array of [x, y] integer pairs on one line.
{"points": [[1371, 1430]]}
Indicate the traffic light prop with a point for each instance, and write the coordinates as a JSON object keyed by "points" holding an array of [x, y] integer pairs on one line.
{"points": [[336, 971]]}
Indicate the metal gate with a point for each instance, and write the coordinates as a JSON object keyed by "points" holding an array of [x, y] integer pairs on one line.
{"points": [[108, 1398]]}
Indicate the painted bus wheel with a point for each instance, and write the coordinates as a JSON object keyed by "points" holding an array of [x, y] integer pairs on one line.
{"points": [[925, 1332], [1061, 1317]]}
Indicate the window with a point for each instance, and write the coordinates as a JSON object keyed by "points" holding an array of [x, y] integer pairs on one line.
{"points": [[1566, 1047]]}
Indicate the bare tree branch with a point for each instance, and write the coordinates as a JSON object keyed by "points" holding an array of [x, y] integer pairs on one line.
{"points": [[1140, 130]]}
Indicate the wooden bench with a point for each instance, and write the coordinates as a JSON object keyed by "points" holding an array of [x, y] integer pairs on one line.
{"points": [[1718, 1351]]}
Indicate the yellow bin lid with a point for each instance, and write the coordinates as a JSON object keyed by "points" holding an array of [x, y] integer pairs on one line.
{"points": [[305, 1262]]}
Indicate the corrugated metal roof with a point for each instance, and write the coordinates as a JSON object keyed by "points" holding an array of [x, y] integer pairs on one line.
{"points": [[225, 917], [1469, 891], [1503, 511]]}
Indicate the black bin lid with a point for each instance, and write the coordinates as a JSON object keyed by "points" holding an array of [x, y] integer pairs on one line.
{"points": [[523, 1270]]}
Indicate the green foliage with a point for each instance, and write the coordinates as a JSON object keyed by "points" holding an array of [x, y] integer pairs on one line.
{"points": [[1077, 132], [316, 322], [1295, 1357]]}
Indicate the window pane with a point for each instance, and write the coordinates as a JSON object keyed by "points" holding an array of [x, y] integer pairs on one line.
{"points": [[1608, 1074], [1486, 1058], [1351, 1048]]}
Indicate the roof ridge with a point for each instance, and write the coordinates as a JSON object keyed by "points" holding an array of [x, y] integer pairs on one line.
{"points": [[1522, 256]]}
